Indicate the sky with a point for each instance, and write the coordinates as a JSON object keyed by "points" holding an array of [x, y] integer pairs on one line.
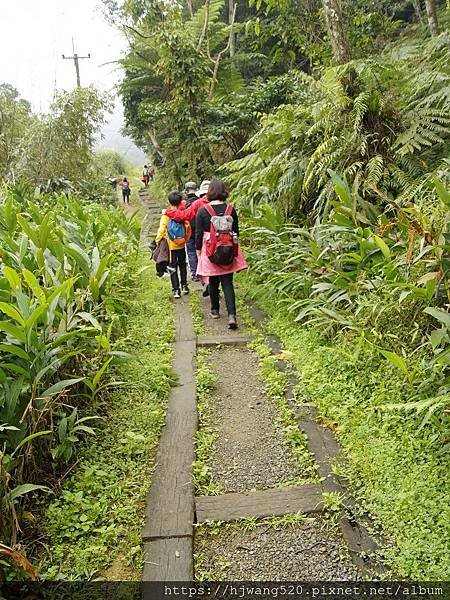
{"points": [[35, 35]]}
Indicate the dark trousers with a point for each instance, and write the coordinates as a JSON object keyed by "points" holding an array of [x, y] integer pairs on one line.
{"points": [[178, 262], [228, 292], [126, 196], [192, 256]]}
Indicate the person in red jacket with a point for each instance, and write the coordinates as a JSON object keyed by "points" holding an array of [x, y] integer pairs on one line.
{"points": [[189, 213]]}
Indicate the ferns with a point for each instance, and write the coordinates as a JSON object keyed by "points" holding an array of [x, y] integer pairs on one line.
{"points": [[388, 133]]}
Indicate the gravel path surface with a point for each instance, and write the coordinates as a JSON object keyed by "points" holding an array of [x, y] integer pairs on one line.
{"points": [[219, 326], [249, 451], [306, 552]]}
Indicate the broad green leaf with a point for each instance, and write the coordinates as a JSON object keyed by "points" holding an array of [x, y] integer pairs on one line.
{"points": [[13, 331], [341, 188], [382, 246], [437, 336], [100, 372], [396, 360], [442, 192], [439, 314], [26, 488], [13, 313], [16, 350], [90, 319], [29, 230], [16, 369], [80, 256], [29, 438], [13, 278], [35, 315], [61, 385], [33, 284]]}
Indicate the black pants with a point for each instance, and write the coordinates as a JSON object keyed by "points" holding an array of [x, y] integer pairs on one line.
{"points": [[228, 292], [126, 196], [178, 262]]}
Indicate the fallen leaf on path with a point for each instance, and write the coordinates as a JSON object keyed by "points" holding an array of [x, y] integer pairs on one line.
{"points": [[285, 355]]}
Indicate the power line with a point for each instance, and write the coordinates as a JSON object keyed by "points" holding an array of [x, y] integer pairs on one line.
{"points": [[75, 59]]}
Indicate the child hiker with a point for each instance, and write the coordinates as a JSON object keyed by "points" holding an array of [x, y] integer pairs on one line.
{"points": [[177, 235], [216, 240], [188, 213]]}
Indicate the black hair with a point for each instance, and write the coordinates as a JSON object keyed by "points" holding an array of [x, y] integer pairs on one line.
{"points": [[175, 198]]}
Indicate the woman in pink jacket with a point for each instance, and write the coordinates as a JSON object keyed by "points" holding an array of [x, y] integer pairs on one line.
{"points": [[209, 268]]}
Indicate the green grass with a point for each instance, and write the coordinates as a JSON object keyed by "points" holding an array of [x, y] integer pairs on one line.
{"points": [[196, 311], [205, 435], [94, 527], [397, 471]]}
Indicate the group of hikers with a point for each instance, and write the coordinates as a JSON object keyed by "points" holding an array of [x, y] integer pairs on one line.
{"points": [[148, 174], [202, 227]]}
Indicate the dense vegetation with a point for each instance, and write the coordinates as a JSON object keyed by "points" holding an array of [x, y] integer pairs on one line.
{"points": [[70, 338], [330, 120], [65, 280]]}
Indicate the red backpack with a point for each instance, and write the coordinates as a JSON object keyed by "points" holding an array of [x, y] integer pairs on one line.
{"points": [[222, 246]]}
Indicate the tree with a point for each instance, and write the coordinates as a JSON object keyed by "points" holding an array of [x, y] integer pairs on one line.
{"points": [[15, 120], [109, 163], [336, 29], [60, 145], [430, 6], [231, 18]]}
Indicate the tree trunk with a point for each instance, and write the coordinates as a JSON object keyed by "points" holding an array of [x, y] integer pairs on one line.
{"points": [[154, 141], [430, 6], [336, 30], [231, 16], [190, 7]]}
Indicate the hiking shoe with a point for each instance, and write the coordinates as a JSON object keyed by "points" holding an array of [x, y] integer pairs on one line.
{"points": [[205, 292], [232, 323], [184, 289], [214, 314], [176, 294]]}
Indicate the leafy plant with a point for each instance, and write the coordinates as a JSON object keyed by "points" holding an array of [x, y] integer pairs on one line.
{"points": [[69, 430], [63, 287]]}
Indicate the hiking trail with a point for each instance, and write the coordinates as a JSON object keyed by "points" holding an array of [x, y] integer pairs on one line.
{"points": [[262, 515]]}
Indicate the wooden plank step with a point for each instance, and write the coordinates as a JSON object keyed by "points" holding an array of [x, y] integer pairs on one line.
{"points": [[168, 560], [264, 503], [226, 340], [170, 502]]}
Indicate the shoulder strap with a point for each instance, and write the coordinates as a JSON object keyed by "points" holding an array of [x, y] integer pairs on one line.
{"points": [[210, 210], [228, 210]]}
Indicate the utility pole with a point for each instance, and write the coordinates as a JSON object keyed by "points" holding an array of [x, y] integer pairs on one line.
{"points": [[75, 59]]}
